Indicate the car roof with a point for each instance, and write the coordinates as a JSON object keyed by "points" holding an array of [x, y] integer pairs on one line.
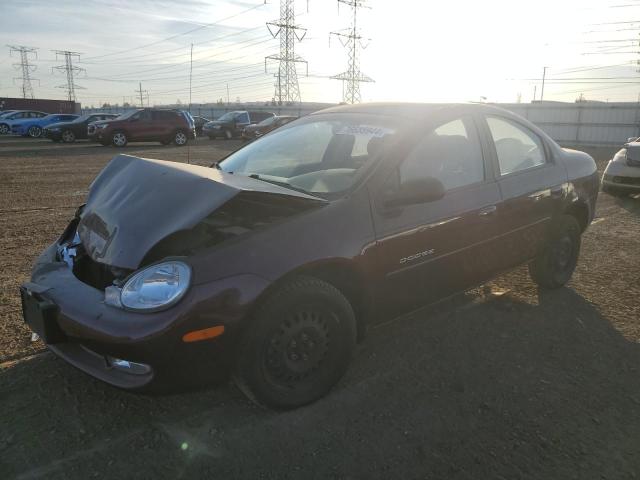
{"points": [[410, 110]]}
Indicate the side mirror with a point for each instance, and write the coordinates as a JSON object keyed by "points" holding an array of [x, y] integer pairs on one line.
{"points": [[415, 191]]}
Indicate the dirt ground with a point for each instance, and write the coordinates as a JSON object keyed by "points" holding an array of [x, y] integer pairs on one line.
{"points": [[504, 382]]}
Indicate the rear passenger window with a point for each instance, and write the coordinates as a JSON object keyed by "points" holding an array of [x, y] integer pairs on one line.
{"points": [[517, 148], [242, 118], [451, 153]]}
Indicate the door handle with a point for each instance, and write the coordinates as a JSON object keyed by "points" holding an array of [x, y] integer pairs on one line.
{"points": [[487, 211]]}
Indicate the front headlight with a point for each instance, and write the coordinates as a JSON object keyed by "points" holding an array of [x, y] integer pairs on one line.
{"points": [[154, 288]]}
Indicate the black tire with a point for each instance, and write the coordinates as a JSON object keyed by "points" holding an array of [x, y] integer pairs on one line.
{"points": [[68, 136], [554, 265], [119, 139], [34, 131], [180, 138], [228, 134], [297, 346]]}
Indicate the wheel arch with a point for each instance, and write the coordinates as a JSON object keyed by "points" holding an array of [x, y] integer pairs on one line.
{"points": [[341, 273], [580, 210]]}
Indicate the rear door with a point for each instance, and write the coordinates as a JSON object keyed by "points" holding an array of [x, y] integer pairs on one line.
{"points": [[140, 126], [532, 184], [431, 250]]}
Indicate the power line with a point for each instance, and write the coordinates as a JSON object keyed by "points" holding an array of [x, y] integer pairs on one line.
{"points": [[287, 89], [351, 39], [179, 34], [71, 70], [25, 67]]}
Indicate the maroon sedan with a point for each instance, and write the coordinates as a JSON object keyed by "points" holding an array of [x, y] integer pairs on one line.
{"points": [[272, 264]]}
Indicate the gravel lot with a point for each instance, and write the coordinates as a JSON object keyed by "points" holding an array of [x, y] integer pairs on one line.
{"points": [[503, 382]]}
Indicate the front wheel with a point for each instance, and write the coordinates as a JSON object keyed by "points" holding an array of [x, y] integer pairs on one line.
{"points": [[554, 265], [4, 128], [119, 139], [298, 345], [180, 138], [68, 136], [34, 131]]}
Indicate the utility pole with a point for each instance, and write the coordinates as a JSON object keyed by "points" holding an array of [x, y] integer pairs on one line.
{"points": [[71, 71], [141, 92], [190, 76], [25, 67], [287, 89], [544, 76], [351, 40], [227, 94]]}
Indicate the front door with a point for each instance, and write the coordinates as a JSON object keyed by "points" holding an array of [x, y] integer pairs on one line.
{"points": [[429, 251]]}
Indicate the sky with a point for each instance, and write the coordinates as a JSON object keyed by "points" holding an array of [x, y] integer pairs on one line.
{"points": [[425, 51]]}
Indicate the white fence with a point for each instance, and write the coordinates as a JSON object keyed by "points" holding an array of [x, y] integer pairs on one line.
{"points": [[583, 124], [570, 124]]}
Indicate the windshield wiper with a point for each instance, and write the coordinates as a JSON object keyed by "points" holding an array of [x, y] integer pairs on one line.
{"points": [[280, 184]]}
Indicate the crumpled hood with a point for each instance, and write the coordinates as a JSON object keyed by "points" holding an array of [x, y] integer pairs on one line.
{"points": [[134, 203]]}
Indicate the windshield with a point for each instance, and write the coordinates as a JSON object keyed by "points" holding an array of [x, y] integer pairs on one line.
{"points": [[128, 114], [227, 116], [321, 156], [267, 122], [82, 118]]}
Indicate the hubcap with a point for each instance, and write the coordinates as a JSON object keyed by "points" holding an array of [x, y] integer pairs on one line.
{"points": [[119, 139], [297, 348], [68, 136], [181, 138], [4, 129], [35, 131]]}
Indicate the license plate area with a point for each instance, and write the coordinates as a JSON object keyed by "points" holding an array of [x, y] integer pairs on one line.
{"points": [[42, 316]]}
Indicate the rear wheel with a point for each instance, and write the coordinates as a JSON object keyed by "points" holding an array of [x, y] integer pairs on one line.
{"points": [[554, 265], [68, 136], [119, 139], [298, 345], [34, 131], [180, 138], [4, 128]]}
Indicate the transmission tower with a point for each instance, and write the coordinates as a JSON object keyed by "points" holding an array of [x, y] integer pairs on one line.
{"points": [[71, 70], [287, 89], [25, 67], [352, 40]]}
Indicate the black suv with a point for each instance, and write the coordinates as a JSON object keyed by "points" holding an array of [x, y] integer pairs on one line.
{"points": [[231, 124]]}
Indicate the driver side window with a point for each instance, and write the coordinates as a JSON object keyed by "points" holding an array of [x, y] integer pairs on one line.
{"points": [[517, 148]]}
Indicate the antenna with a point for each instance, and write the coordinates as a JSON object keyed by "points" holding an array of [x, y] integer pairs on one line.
{"points": [[286, 85], [351, 40]]}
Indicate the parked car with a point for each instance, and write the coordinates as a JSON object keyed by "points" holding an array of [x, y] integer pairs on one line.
{"points": [[199, 123], [231, 124], [273, 263], [145, 125], [7, 120], [622, 174], [33, 127], [254, 131], [69, 132]]}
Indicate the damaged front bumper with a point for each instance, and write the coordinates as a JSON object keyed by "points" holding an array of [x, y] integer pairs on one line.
{"points": [[134, 350]]}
